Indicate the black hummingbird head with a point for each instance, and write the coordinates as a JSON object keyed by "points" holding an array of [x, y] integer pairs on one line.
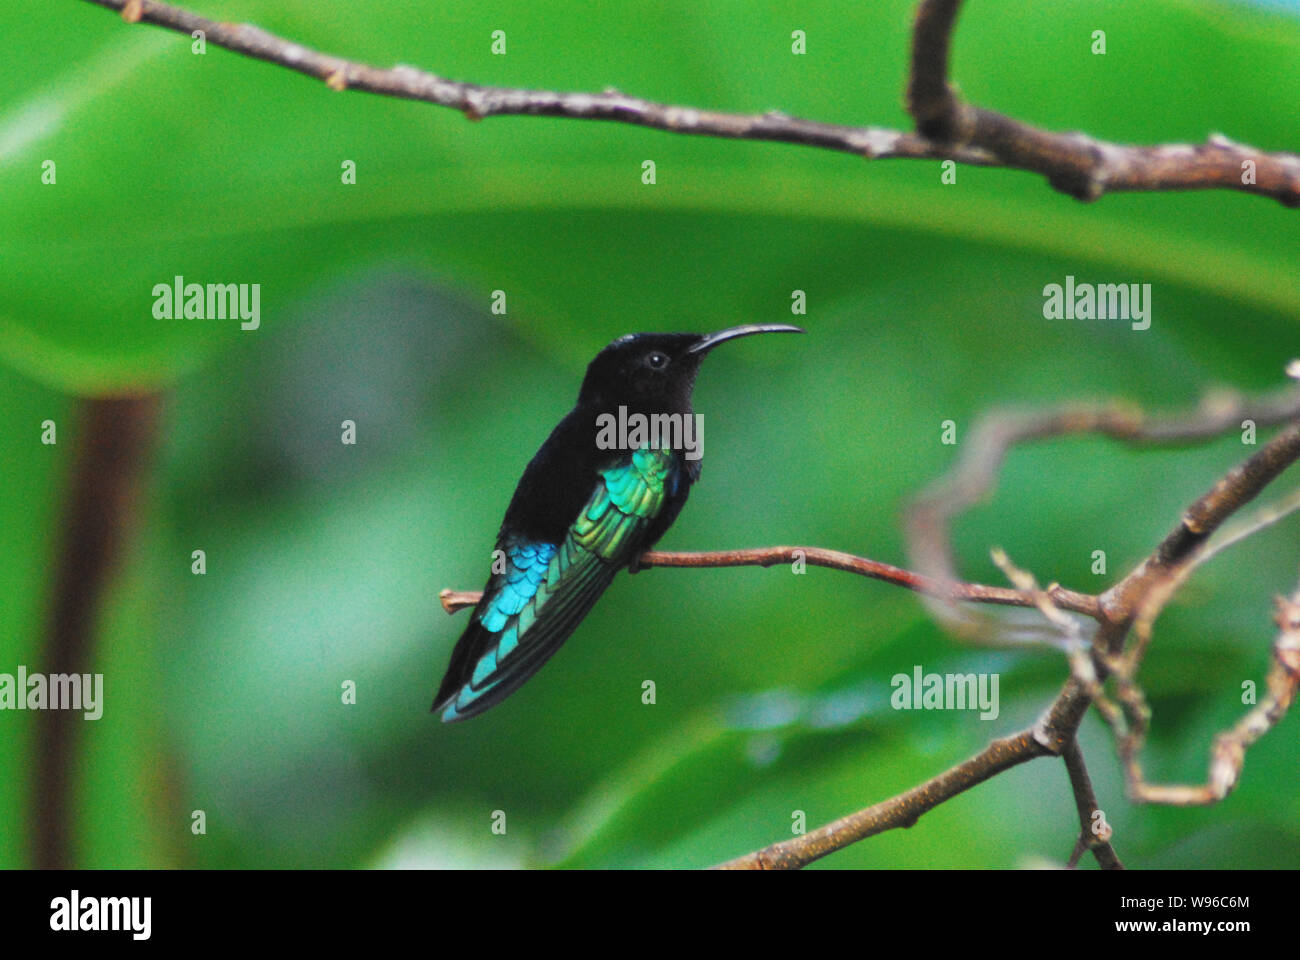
{"points": [[656, 371]]}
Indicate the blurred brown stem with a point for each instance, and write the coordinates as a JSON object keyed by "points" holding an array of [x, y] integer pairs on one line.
{"points": [[114, 438]]}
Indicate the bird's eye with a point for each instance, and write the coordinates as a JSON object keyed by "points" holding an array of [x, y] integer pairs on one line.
{"points": [[656, 360]]}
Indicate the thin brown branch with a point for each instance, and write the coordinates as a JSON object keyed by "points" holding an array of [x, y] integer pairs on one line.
{"points": [[1138, 599], [453, 600], [1240, 486], [1094, 832], [994, 434], [478, 101], [1075, 164], [1163, 590], [1072, 638], [975, 474], [1130, 719], [1228, 752], [900, 811]]}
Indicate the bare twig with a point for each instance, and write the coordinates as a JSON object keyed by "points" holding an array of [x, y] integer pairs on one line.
{"points": [[1072, 639], [995, 433], [1094, 832], [1163, 590], [453, 600], [900, 811], [929, 517], [1228, 752], [1075, 164], [1240, 486], [478, 101]]}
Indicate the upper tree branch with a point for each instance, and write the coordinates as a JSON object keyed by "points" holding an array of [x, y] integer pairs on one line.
{"points": [[1075, 163], [947, 129], [478, 101]]}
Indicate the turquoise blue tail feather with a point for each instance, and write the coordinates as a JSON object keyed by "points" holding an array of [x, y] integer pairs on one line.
{"points": [[546, 589]]}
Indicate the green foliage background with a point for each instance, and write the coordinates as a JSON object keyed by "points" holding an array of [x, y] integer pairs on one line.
{"points": [[324, 561]]}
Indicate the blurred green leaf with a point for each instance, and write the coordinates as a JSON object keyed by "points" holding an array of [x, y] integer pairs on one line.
{"points": [[324, 561]]}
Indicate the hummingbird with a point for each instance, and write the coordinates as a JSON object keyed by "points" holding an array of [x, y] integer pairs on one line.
{"points": [[592, 500]]}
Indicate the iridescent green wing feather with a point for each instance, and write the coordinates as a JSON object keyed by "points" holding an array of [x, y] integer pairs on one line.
{"points": [[526, 614]]}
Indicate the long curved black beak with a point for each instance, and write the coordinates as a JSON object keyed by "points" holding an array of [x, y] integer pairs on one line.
{"points": [[713, 339]]}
